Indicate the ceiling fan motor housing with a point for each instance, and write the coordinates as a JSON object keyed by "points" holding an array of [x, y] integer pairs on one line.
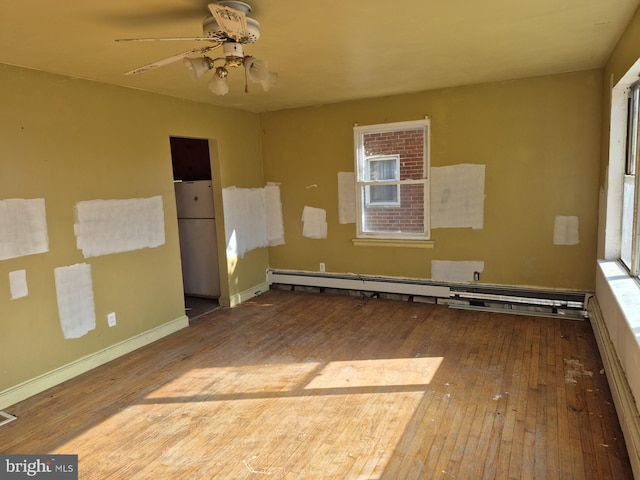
{"points": [[232, 49], [233, 54]]}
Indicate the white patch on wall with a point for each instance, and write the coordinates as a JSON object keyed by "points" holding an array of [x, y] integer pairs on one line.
{"points": [[244, 220], [74, 290], [457, 196], [273, 213], [314, 223], [18, 284], [565, 231], [346, 197], [451, 271], [104, 227], [23, 227]]}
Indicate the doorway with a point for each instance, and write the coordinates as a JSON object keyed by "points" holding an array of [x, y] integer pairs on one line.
{"points": [[196, 224]]}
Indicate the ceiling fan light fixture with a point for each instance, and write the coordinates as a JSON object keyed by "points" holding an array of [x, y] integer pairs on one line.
{"points": [[258, 72], [257, 69], [218, 84], [222, 72], [268, 82], [196, 67]]}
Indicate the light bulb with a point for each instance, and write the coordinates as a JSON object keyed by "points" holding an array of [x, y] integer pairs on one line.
{"points": [[218, 83]]}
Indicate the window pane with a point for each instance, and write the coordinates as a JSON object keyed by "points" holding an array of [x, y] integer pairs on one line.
{"points": [[630, 249], [383, 194], [408, 217], [383, 170], [407, 144], [627, 219], [632, 130]]}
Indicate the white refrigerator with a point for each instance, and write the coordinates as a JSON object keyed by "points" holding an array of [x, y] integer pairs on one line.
{"points": [[198, 245]]}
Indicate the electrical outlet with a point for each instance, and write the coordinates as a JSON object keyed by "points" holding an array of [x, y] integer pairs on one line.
{"points": [[322, 266], [111, 319]]}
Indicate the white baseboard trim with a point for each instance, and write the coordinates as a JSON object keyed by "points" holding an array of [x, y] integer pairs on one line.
{"points": [[55, 377], [623, 399], [245, 295]]}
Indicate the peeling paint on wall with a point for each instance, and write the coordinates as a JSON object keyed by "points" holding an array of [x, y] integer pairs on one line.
{"points": [[452, 271], [273, 213], [314, 223], [104, 227], [346, 197], [244, 220], [18, 284], [74, 291], [457, 196], [23, 227], [565, 231]]}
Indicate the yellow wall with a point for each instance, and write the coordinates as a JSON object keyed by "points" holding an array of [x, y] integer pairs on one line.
{"points": [[68, 140], [624, 55], [539, 139]]}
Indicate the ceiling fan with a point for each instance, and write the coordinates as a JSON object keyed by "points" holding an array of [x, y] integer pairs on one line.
{"points": [[229, 27]]}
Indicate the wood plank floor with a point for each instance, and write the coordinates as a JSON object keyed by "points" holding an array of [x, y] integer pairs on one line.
{"points": [[298, 385]]}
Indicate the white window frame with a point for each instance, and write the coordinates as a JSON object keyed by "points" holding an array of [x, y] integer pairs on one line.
{"points": [[631, 178], [362, 183], [395, 181]]}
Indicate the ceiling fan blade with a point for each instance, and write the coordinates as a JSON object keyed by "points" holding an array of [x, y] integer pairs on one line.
{"points": [[232, 21], [137, 14], [173, 58], [161, 39]]}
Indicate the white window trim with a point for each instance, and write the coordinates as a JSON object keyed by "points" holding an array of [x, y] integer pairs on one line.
{"points": [[633, 167], [359, 132], [610, 230], [625, 160]]}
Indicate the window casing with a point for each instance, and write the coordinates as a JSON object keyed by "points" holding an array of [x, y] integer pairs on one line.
{"points": [[392, 165], [630, 234]]}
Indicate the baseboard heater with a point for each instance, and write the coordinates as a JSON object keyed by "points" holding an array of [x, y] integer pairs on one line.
{"points": [[498, 298]]}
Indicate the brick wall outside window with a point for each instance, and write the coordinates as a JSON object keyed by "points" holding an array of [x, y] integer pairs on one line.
{"points": [[409, 216]]}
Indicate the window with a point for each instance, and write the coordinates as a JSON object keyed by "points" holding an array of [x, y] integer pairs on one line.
{"points": [[383, 169], [392, 163], [630, 235]]}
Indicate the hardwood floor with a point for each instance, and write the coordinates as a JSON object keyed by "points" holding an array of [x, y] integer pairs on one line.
{"points": [[312, 386]]}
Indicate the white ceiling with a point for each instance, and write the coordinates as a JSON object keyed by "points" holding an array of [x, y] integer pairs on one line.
{"points": [[324, 51]]}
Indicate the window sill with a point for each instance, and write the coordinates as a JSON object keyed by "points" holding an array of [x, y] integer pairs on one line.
{"points": [[618, 296], [378, 242], [625, 290]]}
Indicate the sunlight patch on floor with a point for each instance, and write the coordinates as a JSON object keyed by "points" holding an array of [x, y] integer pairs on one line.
{"points": [[237, 379], [377, 373], [299, 419]]}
